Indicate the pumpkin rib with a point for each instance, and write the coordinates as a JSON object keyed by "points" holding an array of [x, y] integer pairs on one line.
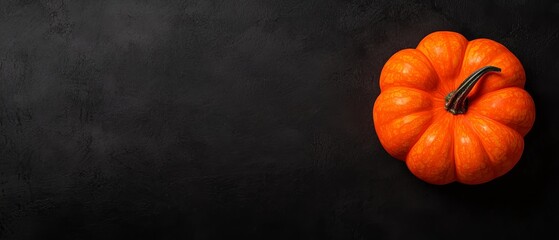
{"points": [[475, 91], [448, 41], [391, 121], [444, 85], [414, 139], [498, 172], [478, 137], [475, 135], [440, 91], [477, 97], [490, 119], [481, 64], [429, 100], [404, 56], [452, 139], [462, 74], [516, 126], [478, 91], [423, 147]]}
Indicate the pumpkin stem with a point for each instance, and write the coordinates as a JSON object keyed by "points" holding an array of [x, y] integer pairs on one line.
{"points": [[456, 101]]}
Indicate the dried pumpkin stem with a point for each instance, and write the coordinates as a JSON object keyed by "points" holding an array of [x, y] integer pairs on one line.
{"points": [[456, 101]]}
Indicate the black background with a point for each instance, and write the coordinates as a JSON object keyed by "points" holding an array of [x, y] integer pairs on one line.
{"points": [[214, 119]]}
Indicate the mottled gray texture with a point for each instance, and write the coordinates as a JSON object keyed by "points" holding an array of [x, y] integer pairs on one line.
{"points": [[212, 119]]}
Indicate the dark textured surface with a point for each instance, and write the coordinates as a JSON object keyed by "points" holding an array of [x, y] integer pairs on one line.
{"points": [[215, 119]]}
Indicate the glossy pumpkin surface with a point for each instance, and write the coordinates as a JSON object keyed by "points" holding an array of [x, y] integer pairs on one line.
{"points": [[414, 122]]}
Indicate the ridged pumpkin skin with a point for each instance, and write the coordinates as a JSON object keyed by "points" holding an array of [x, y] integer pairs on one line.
{"points": [[440, 147]]}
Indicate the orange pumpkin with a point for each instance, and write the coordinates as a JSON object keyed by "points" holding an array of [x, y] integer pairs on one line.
{"points": [[453, 109]]}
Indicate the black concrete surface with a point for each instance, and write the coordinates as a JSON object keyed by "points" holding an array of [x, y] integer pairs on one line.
{"points": [[123, 119]]}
